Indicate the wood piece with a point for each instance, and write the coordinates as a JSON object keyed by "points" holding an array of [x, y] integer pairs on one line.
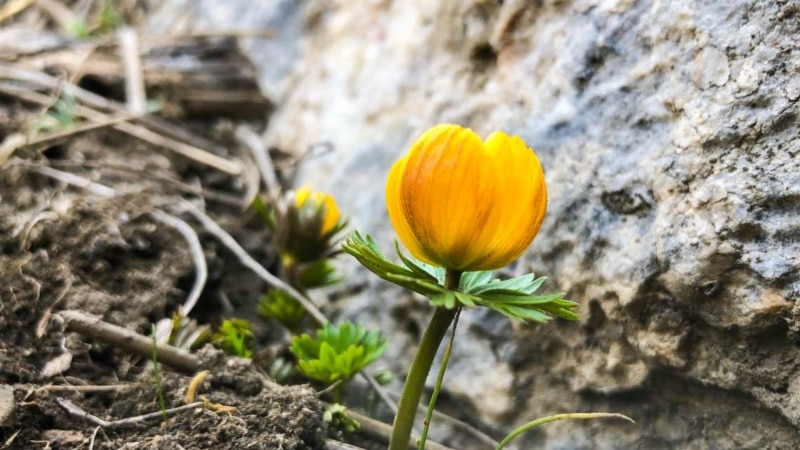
{"points": [[129, 340]]}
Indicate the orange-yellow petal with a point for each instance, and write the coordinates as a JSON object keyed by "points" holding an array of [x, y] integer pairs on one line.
{"points": [[464, 204], [332, 214]]}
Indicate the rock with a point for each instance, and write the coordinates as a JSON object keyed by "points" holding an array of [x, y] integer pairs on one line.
{"points": [[8, 405], [667, 132]]}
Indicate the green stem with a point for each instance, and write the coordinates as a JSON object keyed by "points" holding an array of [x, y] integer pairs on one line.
{"points": [[412, 390], [554, 418], [439, 378], [338, 393]]}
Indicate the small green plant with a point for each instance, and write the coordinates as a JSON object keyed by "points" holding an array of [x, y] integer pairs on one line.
{"points": [[61, 116], [235, 336], [337, 353], [336, 416], [279, 305], [319, 273], [109, 19], [78, 29]]}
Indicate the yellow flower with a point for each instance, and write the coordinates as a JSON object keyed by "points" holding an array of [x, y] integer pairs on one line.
{"points": [[466, 204], [319, 202], [305, 226]]}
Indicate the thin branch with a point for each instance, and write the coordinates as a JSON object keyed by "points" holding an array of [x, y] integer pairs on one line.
{"points": [[82, 128], [261, 156], [75, 180], [330, 388], [199, 258], [94, 435], [331, 444], [77, 411], [128, 340], [248, 261], [135, 97], [88, 388], [140, 173]]}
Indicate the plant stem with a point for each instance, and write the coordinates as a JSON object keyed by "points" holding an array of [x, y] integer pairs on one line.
{"points": [[557, 417], [415, 382], [439, 378]]}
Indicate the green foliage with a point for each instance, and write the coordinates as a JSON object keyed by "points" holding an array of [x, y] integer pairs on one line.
{"points": [[235, 336], [78, 29], [319, 273], [384, 377], [61, 116], [263, 211], [279, 305], [109, 19], [338, 352], [514, 298], [336, 416]]}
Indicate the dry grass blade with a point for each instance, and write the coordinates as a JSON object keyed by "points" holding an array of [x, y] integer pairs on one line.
{"points": [[198, 257], [77, 411], [95, 101], [13, 7]]}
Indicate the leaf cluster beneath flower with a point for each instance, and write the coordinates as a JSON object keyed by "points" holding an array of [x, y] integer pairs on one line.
{"points": [[338, 352], [513, 297]]}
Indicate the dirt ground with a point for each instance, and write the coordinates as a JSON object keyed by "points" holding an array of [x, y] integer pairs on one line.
{"points": [[71, 247], [66, 248]]}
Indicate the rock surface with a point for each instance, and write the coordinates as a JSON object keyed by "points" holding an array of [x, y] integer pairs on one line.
{"points": [[668, 133]]}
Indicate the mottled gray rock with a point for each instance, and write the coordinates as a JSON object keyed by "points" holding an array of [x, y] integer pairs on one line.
{"points": [[668, 132], [8, 405]]}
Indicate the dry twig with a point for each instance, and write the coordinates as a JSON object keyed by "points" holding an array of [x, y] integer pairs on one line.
{"points": [[248, 261], [135, 97], [77, 411], [199, 258], [261, 156], [129, 340]]}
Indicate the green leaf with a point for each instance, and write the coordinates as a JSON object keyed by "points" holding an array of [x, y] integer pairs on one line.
{"points": [[423, 287], [416, 268], [473, 280], [515, 298], [338, 352], [262, 209], [446, 299], [279, 305], [526, 284]]}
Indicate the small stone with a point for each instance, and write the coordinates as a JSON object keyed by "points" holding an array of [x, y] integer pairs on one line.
{"points": [[7, 405], [710, 68]]}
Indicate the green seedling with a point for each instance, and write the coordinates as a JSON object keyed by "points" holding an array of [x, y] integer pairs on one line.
{"points": [[235, 336], [336, 416], [337, 353], [279, 305], [61, 116], [108, 20]]}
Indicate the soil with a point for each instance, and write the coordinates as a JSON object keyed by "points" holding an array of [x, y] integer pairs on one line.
{"points": [[63, 247]]}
